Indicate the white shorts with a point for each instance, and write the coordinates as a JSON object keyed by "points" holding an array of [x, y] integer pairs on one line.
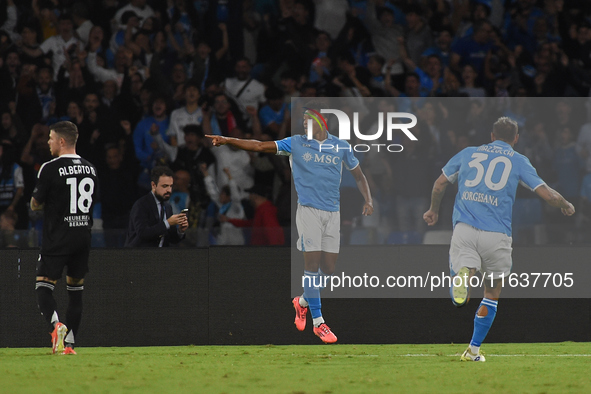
{"points": [[318, 230], [488, 252]]}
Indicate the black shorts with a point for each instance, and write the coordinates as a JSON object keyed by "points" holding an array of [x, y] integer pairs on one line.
{"points": [[52, 266]]}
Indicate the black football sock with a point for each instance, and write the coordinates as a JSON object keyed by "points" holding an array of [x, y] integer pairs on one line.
{"points": [[74, 312], [46, 302]]}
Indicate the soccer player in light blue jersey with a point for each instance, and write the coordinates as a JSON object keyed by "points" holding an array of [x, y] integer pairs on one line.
{"points": [[317, 165], [487, 177]]}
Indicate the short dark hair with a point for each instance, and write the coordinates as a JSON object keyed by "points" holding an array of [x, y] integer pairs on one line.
{"points": [[66, 130], [226, 189], [192, 83], [159, 171], [412, 75], [193, 129], [273, 93], [479, 25], [505, 129], [378, 58]]}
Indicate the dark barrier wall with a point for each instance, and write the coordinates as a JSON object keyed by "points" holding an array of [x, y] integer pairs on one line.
{"points": [[241, 295]]}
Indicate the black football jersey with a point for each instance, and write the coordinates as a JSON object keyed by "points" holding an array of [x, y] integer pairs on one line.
{"points": [[66, 185]]}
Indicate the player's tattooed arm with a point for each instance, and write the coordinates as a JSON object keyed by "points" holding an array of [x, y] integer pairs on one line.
{"points": [[555, 199], [432, 215], [35, 205], [363, 187]]}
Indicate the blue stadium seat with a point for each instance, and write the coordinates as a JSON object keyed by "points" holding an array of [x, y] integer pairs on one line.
{"points": [[359, 236], [403, 238]]}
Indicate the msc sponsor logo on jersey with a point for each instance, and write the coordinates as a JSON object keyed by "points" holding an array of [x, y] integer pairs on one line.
{"points": [[326, 159]]}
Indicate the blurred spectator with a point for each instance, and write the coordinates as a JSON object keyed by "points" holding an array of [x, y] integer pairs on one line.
{"points": [[116, 175], [37, 102], [10, 21], [442, 47], [8, 236], [146, 148], [227, 200], [12, 184], [58, 45], [567, 165], [473, 49], [384, 33], [376, 82], [352, 81], [431, 78], [221, 120], [246, 91], [272, 114], [189, 157], [583, 147], [181, 195], [9, 76], [123, 60], [12, 129], [80, 16], [238, 163], [190, 113], [469, 77], [320, 69], [265, 227], [30, 32], [205, 66], [289, 85], [418, 34], [139, 7], [330, 15]]}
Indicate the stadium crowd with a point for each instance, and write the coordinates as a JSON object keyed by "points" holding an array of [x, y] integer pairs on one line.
{"points": [[145, 80]]}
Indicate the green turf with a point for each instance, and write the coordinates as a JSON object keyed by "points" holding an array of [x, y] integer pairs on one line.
{"points": [[535, 368]]}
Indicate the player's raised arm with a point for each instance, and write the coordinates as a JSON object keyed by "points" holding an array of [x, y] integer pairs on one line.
{"points": [[555, 199], [363, 187], [432, 215], [250, 145]]}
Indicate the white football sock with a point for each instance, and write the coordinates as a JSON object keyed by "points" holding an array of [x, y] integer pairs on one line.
{"points": [[474, 349], [54, 318], [318, 321], [303, 302]]}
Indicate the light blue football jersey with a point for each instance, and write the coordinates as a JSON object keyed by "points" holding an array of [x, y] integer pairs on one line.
{"points": [[488, 177], [317, 168]]}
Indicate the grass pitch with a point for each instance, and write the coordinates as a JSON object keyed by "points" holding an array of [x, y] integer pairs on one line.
{"points": [[535, 368]]}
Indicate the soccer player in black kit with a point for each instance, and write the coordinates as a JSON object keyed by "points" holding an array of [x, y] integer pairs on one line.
{"points": [[65, 191]]}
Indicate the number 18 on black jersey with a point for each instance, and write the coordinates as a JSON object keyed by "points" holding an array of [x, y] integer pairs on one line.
{"points": [[66, 186]]}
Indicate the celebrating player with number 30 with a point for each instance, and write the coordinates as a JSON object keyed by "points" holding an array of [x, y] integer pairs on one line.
{"points": [[487, 178]]}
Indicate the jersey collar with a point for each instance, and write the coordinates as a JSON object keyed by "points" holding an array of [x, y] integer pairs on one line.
{"points": [[328, 137], [70, 156], [503, 144]]}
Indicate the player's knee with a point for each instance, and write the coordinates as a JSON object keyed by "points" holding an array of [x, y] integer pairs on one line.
{"points": [[74, 281], [482, 311], [46, 280]]}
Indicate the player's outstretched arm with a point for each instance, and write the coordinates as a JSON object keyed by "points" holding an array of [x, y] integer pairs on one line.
{"points": [[432, 215], [363, 187], [555, 199], [250, 145]]}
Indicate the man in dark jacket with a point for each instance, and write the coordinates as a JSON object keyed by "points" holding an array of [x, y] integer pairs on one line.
{"points": [[151, 222]]}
